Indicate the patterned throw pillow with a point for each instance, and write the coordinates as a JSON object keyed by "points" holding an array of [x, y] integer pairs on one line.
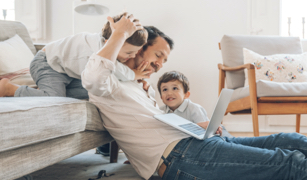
{"points": [[278, 67]]}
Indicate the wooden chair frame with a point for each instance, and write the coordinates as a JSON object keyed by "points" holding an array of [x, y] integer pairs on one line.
{"points": [[263, 105]]}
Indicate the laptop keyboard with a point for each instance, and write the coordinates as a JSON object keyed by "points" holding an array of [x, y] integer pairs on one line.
{"points": [[193, 128]]}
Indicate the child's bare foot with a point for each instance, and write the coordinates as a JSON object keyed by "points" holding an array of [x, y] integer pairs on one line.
{"points": [[3, 90], [7, 88]]}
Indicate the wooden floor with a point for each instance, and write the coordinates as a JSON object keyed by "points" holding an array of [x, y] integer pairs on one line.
{"points": [[88, 164], [250, 134]]}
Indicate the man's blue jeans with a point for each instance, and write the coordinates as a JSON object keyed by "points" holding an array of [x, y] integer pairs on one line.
{"points": [[278, 156], [51, 82]]}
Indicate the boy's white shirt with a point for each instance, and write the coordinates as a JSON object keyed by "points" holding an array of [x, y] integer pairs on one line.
{"points": [[70, 55], [188, 110]]}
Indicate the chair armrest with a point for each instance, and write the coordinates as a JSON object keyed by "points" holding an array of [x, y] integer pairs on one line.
{"points": [[250, 75], [237, 68], [39, 46]]}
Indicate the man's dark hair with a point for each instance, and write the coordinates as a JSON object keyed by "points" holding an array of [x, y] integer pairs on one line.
{"points": [[139, 38], [153, 33], [173, 76]]}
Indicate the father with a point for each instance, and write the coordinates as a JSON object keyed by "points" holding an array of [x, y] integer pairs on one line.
{"points": [[127, 110]]}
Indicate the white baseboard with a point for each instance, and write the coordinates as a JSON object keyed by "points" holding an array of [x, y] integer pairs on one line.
{"points": [[272, 123]]}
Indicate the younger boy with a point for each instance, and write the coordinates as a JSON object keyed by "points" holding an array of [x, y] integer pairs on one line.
{"points": [[174, 88]]}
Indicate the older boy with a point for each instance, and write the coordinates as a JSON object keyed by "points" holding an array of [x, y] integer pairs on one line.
{"points": [[57, 68]]}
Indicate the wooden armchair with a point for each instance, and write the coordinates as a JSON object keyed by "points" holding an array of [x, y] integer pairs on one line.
{"points": [[252, 103]]}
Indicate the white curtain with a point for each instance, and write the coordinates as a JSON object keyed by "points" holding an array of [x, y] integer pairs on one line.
{"points": [[32, 13]]}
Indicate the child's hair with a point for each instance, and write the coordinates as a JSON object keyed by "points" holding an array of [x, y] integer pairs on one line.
{"points": [[173, 76], [139, 38]]}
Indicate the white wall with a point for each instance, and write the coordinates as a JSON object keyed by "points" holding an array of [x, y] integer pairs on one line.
{"points": [[196, 27]]}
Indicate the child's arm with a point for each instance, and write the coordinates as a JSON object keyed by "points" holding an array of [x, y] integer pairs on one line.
{"points": [[140, 72], [124, 73]]}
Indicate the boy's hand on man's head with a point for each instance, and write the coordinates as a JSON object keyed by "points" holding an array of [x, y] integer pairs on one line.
{"points": [[127, 25], [140, 72]]}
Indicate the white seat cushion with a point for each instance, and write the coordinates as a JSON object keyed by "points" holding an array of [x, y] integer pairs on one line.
{"points": [[28, 120], [272, 89]]}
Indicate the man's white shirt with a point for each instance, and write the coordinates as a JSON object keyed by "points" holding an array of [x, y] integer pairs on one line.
{"points": [[127, 111]]}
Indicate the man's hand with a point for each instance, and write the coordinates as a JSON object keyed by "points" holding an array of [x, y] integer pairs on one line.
{"points": [[205, 125], [140, 72], [125, 25], [219, 131]]}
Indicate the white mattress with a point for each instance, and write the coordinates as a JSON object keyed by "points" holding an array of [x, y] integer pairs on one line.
{"points": [[28, 120], [25, 160]]}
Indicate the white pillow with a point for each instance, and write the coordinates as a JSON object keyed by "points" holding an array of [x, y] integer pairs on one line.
{"points": [[15, 59], [289, 68]]}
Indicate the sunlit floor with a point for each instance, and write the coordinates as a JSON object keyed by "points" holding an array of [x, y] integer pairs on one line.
{"points": [[88, 164]]}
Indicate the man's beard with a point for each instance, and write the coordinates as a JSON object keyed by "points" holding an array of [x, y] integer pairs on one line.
{"points": [[137, 59], [154, 66]]}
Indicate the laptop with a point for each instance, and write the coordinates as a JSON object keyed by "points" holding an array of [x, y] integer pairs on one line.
{"points": [[193, 129]]}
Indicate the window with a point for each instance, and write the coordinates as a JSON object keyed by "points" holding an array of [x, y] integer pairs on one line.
{"points": [[293, 18], [32, 13], [7, 8]]}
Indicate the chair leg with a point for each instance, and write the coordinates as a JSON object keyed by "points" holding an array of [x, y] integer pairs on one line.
{"points": [[114, 152], [255, 122], [298, 123], [253, 99]]}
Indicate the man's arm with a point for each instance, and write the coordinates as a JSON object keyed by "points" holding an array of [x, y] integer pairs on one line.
{"points": [[124, 73], [96, 77]]}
